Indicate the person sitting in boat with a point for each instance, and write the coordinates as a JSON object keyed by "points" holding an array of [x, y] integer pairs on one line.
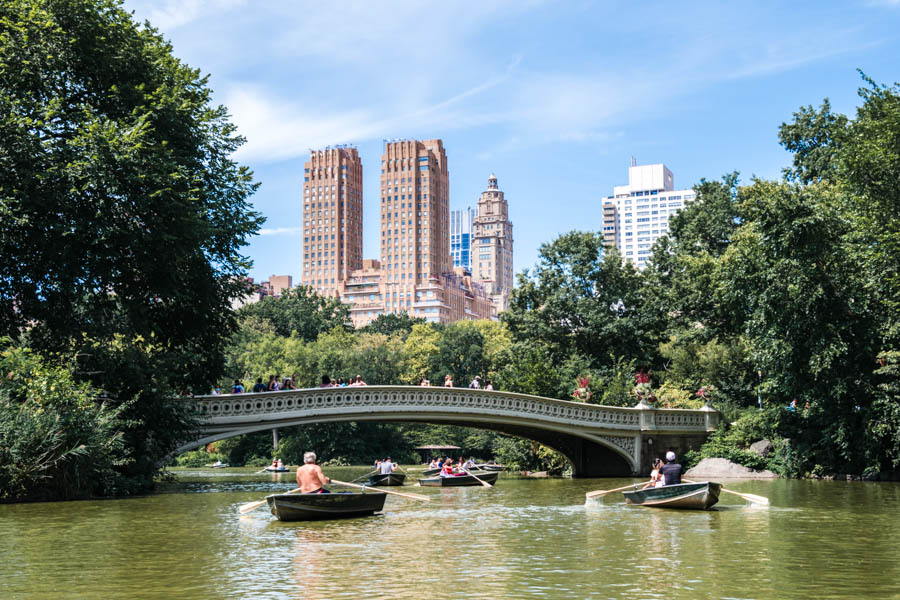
{"points": [[470, 464], [434, 464], [387, 467], [447, 469], [310, 478], [671, 470], [279, 465], [656, 478], [274, 463]]}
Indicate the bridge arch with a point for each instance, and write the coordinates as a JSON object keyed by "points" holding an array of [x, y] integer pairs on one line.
{"points": [[598, 440]]}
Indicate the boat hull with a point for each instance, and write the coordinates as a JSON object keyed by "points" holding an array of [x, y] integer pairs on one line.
{"points": [[458, 481], [430, 472], [689, 496], [387, 479], [274, 470], [490, 467], [316, 507]]}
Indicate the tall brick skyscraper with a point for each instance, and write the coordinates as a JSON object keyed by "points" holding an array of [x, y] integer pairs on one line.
{"points": [[415, 215], [332, 218], [492, 245]]}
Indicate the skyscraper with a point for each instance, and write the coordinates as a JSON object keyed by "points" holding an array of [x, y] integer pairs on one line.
{"points": [[461, 237], [332, 218], [415, 214], [492, 245], [637, 214]]}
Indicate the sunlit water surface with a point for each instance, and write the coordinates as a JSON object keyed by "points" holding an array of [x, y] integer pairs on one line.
{"points": [[525, 538]]}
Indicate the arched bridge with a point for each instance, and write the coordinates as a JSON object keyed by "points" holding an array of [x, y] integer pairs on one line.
{"points": [[599, 440]]}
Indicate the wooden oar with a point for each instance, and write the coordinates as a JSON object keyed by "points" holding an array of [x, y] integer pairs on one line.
{"points": [[598, 493], [254, 505], [481, 481], [366, 475], [749, 497], [413, 496]]}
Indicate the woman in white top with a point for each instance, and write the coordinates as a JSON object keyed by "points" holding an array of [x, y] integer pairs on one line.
{"points": [[656, 478]]}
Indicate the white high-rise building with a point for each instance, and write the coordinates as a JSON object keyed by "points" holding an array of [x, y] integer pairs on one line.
{"points": [[637, 214]]}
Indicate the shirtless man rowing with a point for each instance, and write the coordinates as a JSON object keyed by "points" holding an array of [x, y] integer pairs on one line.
{"points": [[310, 477]]}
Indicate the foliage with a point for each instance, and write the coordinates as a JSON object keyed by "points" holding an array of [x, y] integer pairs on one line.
{"points": [[57, 439], [391, 323], [298, 310], [124, 214]]}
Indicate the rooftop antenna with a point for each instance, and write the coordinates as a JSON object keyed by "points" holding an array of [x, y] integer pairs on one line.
{"points": [[633, 161]]}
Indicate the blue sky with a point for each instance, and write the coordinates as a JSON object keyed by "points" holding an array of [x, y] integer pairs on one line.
{"points": [[553, 97]]}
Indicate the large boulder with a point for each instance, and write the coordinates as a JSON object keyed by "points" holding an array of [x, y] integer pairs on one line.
{"points": [[722, 468], [763, 447]]}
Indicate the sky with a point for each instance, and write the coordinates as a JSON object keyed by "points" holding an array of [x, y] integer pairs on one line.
{"points": [[553, 97]]}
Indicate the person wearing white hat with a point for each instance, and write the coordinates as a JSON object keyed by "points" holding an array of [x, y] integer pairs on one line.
{"points": [[671, 471]]}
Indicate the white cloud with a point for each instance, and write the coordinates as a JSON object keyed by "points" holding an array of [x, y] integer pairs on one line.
{"points": [[280, 231]]}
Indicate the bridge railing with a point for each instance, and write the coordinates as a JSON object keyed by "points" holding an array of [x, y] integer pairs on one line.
{"points": [[240, 407]]}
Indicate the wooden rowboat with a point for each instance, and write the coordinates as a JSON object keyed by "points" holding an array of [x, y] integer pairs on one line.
{"points": [[430, 472], [459, 480], [278, 470], [314, 507], [490, 467], [694, 496], [387, 479]]}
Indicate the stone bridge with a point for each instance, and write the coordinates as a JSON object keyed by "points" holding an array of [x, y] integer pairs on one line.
{"points": [[600, 441]]}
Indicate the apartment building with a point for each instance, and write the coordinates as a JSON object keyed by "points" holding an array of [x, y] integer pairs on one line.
{"points": [[492, 245]]}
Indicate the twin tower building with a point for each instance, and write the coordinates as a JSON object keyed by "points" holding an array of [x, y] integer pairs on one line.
{"points": [[415, 273]]}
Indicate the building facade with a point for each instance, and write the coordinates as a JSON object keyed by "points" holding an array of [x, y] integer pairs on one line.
{"points": [[461, 237], [637, 214], [492, 245], [332, 218], [415, 272]]}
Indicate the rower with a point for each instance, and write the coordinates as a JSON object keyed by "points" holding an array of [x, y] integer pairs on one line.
{"points": [[671, 471], [310, 478], [387, 467]]}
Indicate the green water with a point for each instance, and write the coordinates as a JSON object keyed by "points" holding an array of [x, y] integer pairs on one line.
{"points": [[525, 538]]}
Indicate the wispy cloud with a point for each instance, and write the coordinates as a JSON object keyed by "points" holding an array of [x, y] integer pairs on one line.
{"points": [[280, 231]]}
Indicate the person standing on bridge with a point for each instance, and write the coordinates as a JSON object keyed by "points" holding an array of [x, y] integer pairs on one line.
{"points": [[326, 382], [259, 387], [448, 380], [671, 471], [310, 478]]}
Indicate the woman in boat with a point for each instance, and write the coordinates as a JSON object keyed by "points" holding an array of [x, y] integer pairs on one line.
{"points": [[447, 469], [656, 478]]}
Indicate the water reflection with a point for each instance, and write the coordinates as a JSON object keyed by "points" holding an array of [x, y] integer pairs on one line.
{"points": [[522, 539]]}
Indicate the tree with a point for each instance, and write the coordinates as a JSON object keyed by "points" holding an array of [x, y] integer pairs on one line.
{"points": [[123, 213], [299, 309], [582, 299], [390, 323]]}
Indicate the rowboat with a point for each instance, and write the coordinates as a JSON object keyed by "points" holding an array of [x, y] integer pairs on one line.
{"points": [[695, 496], [278, 470], [314, 507], [459, 480], [490, 467], [387, 479]]}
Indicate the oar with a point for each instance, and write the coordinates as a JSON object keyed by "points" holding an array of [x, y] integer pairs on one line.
{"points": [[366, 475], [598, 493], [749, 497], [362, 487], [481, 481], [254, 505]]}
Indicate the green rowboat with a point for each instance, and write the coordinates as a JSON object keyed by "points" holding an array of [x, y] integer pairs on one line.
{"points": [[692, 496]]}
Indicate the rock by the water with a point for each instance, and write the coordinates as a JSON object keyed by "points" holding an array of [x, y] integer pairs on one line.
{"points": [[762, 447], [722, 468]]}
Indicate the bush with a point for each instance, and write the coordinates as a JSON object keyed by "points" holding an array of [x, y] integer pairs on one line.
{"points": [[731, 441], [57, 439]]}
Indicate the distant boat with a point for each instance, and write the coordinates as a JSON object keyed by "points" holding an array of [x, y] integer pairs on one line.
{"points": [[387, 479], [460, 480], [490, 467], [271, 469], [316, 507], [692, 496], [218, 465], [430, 472]]}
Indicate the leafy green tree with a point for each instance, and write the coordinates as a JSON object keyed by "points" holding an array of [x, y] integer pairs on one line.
{"points": [[391, 323], [124, 214], [460, 354], [419, 349], [298, 309], [582, 299]]}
